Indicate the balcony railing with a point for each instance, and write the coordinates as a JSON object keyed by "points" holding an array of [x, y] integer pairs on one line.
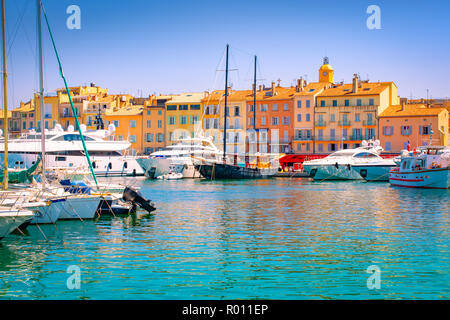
{"points": [[369, 123], [307, 138], [344, 122], [320, 123]]}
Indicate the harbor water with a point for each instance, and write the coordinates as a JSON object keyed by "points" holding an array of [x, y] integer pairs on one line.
{"points": [[258, 239]]}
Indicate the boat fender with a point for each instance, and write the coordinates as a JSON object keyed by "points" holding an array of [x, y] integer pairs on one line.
{"points": [[336, 165], [349, 167]]}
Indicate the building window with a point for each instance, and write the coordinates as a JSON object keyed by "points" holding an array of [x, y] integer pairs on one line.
{"points": [[347, 102], [357, 117], [133, 123], [308, 103], [286, 107], [332, 117], [299, 103], [286, 121], [172, 120], [250, 108], [387, 147], [274, 121], [371, 102], [264, 107], [320, 147], [358, 102], [149, 137], [263, 121], [183, 120], [308, 117], [299, 118], [207, 123], [159, 124], [274, 107], [183, 107], [148, 112], [172, 107], [236, 111], [299, 147], [250, 121], [425, 130], [160, 137], [334, 103], [159, 112], [149, 124], [132, 138], [195, 107], [406, 130], [322, 103]]}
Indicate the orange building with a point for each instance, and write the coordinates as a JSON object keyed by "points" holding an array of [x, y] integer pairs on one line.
{"points": [[154, 124], [274, 118], [414, 123], [128, 122]]}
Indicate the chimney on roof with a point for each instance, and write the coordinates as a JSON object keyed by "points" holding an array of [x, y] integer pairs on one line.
{"points": [[355, 83], [403, 102], [273, 87], [300, 85], [260, 87]]}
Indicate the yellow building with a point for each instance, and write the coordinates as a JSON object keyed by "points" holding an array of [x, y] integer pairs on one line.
{"points": [[326, 72], [346, 114], [128, 122], [183, 116]]}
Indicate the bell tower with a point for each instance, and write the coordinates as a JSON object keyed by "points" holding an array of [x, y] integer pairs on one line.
{"points": [[326, 72]]}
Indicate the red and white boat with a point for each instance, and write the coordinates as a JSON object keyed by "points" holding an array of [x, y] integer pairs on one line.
{"points": [[428, 167]]}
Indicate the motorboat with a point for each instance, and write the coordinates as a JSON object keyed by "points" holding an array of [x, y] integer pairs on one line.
{"points": [[177, 157], [11, 219], [171, 176], [426, 167], [64, 149], [339, 165]]}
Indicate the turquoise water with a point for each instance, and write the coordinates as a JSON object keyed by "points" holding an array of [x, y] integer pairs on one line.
{"points": [[263, 239]]}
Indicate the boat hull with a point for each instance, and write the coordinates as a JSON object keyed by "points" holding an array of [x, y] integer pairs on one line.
{"points": [[227, 171], [332, 172], [77, 208], [429, 178], [48, 214], [104, 166], [374, 172], [10, 221], [155, 167]]}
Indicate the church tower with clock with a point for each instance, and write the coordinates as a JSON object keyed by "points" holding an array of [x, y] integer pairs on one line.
{"points": [[326, 72]]}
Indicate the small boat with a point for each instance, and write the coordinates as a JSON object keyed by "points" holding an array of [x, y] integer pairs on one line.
{"points": [[20, 175], [11, 219], [427, 167], [171, 176]]}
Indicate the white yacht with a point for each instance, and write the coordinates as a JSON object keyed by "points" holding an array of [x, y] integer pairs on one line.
{"points": [[65, 150], [339, 165], [180, 157]]}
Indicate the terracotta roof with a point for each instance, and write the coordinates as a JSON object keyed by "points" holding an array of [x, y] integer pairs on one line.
{"points": [[367, 88], [312, 88], [410, 110], [188, 97], [233, 96], [280, 93], [125, 111]]}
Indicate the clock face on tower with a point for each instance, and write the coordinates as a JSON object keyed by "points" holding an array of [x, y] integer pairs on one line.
{"points": [[325, 73]]}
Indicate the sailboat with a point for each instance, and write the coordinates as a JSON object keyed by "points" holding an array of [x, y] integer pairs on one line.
{"points": [[213, 169], [10, 218]]}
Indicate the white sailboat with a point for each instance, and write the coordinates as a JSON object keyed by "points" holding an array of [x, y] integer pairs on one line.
{"points": [[11, 219]]}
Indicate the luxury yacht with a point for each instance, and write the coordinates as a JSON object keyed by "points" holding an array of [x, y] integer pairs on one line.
{"points": [[376, 170], [339, 165], [65, 150], [180, 158]]}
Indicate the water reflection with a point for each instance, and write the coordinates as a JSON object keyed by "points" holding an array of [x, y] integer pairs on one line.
{"points": [[280, 238]]}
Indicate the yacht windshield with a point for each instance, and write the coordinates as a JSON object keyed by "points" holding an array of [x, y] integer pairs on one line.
{"points": [[341, 154]]}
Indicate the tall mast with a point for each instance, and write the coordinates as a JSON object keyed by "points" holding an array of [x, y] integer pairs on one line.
{"points": [[41, 88], [5, 102], [254, 98], [225, 109]]}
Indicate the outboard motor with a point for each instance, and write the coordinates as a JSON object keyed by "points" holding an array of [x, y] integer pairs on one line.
{"points": [[136, 197]]}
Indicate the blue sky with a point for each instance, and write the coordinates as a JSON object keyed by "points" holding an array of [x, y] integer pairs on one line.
{"points": [[171, 46]]}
